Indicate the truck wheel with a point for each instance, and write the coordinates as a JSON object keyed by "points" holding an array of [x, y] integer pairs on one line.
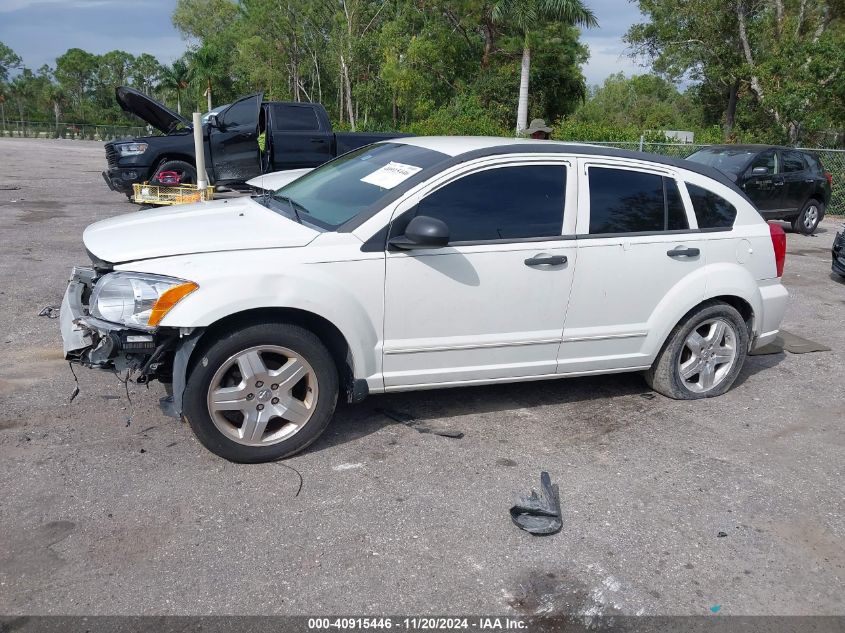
{"points": [[809, 218], [261, 393], [173, 172], [702, 356]]}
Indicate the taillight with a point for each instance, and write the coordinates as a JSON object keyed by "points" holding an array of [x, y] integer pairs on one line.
{"points": [[829, 177], [779, 244]]}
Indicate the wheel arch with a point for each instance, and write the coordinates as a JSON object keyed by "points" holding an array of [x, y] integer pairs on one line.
{"points": [[326, 331], [166, 156], [741, 305], [188, 353]]}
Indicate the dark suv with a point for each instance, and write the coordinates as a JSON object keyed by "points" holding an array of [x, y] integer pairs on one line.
{"points": [[784, 183]]}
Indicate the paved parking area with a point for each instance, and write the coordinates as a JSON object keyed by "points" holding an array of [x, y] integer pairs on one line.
{"points": [[101, 514]]}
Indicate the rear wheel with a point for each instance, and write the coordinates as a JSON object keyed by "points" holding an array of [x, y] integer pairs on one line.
{"points": [[809, 218], [174, 173], [261, 393], [703, 355]]}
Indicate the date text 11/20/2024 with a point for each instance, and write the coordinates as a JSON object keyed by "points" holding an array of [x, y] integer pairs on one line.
{"points": [[492, 623]]}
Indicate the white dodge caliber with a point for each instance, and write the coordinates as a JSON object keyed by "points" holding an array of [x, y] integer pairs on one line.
{"points": [[422, 263]]}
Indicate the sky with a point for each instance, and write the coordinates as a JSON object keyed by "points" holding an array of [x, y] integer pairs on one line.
{"points": [[41, 30]]}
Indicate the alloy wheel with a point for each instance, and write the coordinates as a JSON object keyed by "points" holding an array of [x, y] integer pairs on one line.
{"points": [[811, 217], [708, 355], [262, 395]]}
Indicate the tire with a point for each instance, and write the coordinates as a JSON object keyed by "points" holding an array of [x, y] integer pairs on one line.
{"points": [[665, 375], [217, 369], [188, 171], [809, 218]]}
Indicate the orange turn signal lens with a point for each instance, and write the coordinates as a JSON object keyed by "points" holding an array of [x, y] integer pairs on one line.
{"points": [[168, 299]]}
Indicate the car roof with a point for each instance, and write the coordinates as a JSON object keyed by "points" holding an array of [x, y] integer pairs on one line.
{"points": [[458, 145], [464, 148]]}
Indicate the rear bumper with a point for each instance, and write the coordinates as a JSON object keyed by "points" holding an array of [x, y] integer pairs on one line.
{"points": [[775, 298]]}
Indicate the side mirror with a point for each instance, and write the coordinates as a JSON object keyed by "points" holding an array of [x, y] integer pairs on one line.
{"points": [[760, 171], [423, 232], [213, 121]]}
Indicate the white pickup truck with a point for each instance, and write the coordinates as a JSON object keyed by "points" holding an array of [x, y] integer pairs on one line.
{"points": [[422, 263]]}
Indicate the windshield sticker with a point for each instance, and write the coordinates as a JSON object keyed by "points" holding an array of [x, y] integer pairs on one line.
{"points": [[391, 175]]}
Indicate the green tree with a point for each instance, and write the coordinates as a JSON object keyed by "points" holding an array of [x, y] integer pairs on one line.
{"points": [[75, 73], [207, 66], [175, 78], [645, 102], [145, 71], [524, 16], [204, 19], [780, 58], [8, 60]]}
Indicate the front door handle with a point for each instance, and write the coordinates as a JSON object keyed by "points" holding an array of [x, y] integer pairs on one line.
{"points": [[683, 252], [548, 260]]}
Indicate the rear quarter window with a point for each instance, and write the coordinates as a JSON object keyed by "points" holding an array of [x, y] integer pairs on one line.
{"points": [[294, 118], [711, 210]]}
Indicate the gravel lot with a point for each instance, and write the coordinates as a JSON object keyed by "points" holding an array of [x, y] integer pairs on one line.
{"points": [[98, 516]]}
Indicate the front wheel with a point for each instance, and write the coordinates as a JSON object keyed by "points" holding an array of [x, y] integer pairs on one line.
{"points": [[174, 173], [703, 355], [261, 393], [809, 218]]}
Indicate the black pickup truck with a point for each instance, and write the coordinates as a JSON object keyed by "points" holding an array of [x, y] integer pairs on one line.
{"points": [[297, 135]]}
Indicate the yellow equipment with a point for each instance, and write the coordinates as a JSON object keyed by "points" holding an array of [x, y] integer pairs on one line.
{"points": [[170, 194]]}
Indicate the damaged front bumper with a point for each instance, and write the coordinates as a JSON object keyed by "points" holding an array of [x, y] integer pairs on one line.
{"points": [[161, 354], [93, 342]]}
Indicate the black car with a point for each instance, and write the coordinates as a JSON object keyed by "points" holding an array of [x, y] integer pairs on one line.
{"points": [[838, 252], [784, 183]]}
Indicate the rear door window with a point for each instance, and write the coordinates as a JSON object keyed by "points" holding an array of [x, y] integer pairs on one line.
{"points": [[793, 161], [627, 201], [711, 210], [294, 118]]}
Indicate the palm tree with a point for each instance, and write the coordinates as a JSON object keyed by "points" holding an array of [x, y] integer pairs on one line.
{"points": [[175, 77], [523, 15], [206, 64]]}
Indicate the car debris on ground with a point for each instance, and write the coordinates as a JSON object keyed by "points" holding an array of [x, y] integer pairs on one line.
{"points": [[539, 513]]}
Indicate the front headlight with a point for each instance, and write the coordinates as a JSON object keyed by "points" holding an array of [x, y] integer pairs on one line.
{"points": [[136, 299], [131, 149]]}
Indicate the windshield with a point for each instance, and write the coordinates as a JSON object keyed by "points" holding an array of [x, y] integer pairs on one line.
{"points": [[729, 159], [341, 189]]}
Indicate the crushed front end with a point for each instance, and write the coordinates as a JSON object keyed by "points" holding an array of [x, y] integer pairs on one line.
{"points": [[93, 342]]}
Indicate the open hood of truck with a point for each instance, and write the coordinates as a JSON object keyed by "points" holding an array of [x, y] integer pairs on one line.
{"points": [[154, 113], [204, 227]]}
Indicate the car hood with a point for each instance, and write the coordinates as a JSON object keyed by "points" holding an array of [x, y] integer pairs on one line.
{"points": [[204, 227], [277, 179], [154, 113]]}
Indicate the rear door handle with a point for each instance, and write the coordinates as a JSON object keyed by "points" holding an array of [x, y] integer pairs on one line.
{"points": [[683, 252], [548, 260]]}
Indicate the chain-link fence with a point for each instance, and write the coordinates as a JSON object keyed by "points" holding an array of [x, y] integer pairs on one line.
{"points": [[833, 161], [44, 129]]}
